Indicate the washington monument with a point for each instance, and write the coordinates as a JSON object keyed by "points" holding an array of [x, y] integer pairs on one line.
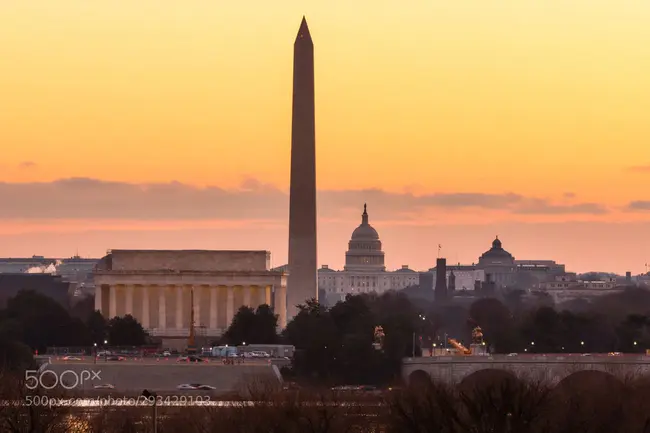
{"points": [[303, 268]]}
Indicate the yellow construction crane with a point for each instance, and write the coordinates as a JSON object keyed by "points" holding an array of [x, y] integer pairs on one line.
{"points": [[462, 350]]}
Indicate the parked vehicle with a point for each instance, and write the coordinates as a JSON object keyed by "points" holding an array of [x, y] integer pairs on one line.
{"points": [[195, 386], [224, 351], [115, 358], [191, 358]]}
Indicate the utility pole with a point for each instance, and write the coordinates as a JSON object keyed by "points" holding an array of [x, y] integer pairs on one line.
{"points": [[414, 345]]}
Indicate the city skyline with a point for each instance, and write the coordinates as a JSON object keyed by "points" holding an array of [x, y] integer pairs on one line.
{"points": [[453, 132]]}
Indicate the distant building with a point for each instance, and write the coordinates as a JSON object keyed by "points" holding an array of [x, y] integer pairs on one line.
{"points": [[365, 270], [49, 285], [75, 270], [156, 287], [500, 269], [568, 287], [426, 281], [465, 276], [440, 291]]}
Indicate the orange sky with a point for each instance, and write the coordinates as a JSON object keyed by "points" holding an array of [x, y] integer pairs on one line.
{"points": [[545, 100]]}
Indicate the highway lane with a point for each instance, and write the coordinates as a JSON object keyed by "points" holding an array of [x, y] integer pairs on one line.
{"points": [[167, 361]]}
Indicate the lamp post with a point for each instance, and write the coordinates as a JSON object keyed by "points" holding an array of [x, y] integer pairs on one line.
{"points": [[152, 395], [95, 353], [414, 345], [105, 351]]}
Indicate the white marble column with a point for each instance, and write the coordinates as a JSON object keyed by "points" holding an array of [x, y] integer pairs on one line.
{"points": [[179, 307], [197, 305], [145, 307], [214, 310], [267, 296], [230, 305], [247, 295], [98, 298], [112, 302], [129, 300], [281, 305], [162, 307]]}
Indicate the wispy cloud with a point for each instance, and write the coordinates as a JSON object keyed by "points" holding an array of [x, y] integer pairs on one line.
{"points": [[85, 198], [543, 207], [27, 164], [638, 169], [639, 205]]}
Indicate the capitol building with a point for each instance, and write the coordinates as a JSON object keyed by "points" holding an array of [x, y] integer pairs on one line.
{"points": [[364, 269]]}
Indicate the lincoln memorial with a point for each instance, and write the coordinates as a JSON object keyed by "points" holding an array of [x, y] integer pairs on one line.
{"points": [[155, 287]]}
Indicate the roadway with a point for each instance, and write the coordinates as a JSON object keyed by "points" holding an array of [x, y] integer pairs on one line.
{"points": [[166, 361]]}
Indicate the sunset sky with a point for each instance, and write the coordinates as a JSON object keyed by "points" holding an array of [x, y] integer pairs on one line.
{"points": [[166, 124]]}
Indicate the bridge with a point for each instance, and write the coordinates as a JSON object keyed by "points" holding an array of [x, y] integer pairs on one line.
{"points": [[551, 368]]}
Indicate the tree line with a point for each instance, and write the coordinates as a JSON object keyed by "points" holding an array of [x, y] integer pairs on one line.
{"points": [[32, 322], [336, 345]]}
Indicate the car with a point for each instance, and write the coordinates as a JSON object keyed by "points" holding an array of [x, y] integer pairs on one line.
{"points": [[369, 389], [346, 388], [191, 358], [512, 354], [71, 358], [198, 359], [615, 354], [104, 353], [166, 353], [104, 386], [586, 354], [195, 387], [115, 358]]}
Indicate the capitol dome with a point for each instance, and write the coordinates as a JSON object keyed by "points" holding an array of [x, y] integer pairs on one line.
{"points": [[364, 249], [365, 231]]}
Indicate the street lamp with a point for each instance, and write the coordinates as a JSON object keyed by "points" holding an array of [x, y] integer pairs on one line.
{"points": [[153, 397], [95, 353]]}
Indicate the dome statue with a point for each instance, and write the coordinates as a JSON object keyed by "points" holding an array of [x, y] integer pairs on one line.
{"points": [[365, 231]]}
